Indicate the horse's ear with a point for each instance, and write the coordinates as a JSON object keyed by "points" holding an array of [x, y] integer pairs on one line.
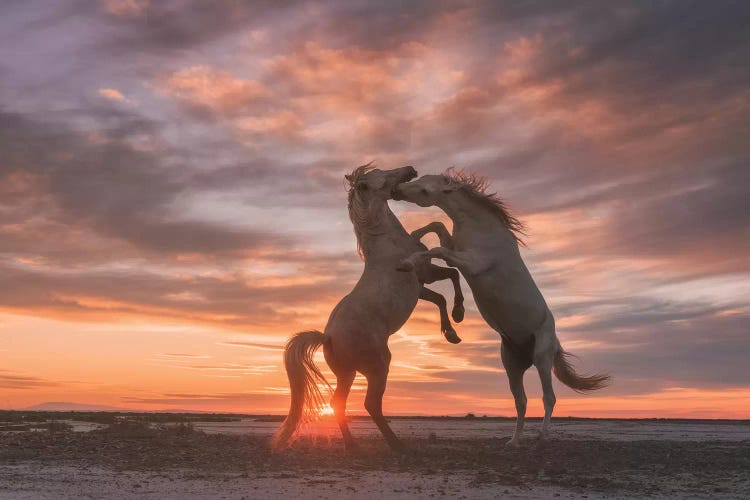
{"points": [[348, 177]]}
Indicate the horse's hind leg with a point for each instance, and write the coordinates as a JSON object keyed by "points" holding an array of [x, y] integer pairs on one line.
{"points": [[544, 356], [544, 367], [515, 366], [343, 386], [376, 381]]}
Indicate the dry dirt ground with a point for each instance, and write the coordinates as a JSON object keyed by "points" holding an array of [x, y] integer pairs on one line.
{"points": [[457, 459]]}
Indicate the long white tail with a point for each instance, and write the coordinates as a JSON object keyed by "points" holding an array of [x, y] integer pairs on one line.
{"points": [[566, 374], [304, 379]]}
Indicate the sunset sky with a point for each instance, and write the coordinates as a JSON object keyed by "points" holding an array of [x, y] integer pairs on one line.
{"points": [[172, 202]]}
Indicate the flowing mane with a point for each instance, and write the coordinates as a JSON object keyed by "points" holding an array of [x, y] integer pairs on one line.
{"points": [[358, 210], [476, 186]]}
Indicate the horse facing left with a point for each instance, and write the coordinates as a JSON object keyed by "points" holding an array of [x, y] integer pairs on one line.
{"points": [[356, 336]]}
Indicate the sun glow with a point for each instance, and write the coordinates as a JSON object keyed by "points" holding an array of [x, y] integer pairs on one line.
{"points": [[325, 411]]}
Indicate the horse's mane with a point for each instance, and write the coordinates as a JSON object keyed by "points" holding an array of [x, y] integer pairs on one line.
{"points": [[358, 211], [476, 187]]}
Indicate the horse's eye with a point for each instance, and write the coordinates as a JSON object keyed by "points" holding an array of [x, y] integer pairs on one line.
{"points": [[362, 187], [424, 191]]}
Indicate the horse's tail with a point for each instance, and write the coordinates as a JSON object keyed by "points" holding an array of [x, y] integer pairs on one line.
{"points": [[304, 379], [566, 374]]}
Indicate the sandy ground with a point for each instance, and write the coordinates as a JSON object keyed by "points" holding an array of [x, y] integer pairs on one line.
{"points": [[446, 458]]}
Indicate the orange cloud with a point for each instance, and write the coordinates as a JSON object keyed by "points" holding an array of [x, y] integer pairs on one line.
{"points": [[213, 88], [126, 8], [284, 123], [345, 79], [112, 94]]}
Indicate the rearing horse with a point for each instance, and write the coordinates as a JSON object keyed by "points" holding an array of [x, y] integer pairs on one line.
{"points": [[356, 336], [484, 247]]}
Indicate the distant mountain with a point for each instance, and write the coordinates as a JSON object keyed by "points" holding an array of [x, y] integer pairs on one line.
{"points": [[64, 406]]}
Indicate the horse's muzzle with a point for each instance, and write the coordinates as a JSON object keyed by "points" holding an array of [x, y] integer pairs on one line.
{"points": [[411, 173], [407, 173]]}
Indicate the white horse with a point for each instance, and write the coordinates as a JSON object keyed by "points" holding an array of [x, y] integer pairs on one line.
{"points": [[484, 247], [356, 336]]}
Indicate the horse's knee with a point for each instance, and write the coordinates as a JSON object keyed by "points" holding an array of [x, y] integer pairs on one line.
{"points": [[549, 399], [521, 404], [440, 301], [374, 406]]}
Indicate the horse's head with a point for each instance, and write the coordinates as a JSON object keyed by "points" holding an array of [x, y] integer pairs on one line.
{"points": [[369, 184], [425, 191], [369, 192]]}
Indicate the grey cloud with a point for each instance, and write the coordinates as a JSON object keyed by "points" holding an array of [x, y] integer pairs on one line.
{"points": [[177, 25], [112, 187], [203, 299]]}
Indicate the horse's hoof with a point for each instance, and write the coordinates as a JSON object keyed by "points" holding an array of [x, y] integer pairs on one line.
{"points": [[513, 443], [451, 336], [458, 313], [405, 266]]}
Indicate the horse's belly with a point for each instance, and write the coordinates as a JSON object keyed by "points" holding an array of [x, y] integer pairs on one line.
{"points": [[514, 314], [400, 303], [381, 302]]}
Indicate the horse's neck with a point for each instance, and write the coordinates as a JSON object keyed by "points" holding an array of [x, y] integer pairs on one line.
{"points": [[383, 235], [471, 218]]}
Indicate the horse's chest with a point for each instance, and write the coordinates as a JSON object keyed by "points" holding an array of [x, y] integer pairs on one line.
{"points": [[402, 298]]}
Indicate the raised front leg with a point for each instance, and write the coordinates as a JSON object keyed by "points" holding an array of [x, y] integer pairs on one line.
{"points": [[445, 237], [445, 324], [464, 261], [437, 273]]}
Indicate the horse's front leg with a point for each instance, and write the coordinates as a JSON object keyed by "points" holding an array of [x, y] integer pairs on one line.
{"points": [[437, 273], [445, 237], [460, 259], [445, 324]]}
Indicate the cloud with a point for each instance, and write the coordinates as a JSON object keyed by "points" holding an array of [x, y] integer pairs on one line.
{"points": [[255, 345], [112, 94], [126, 8], [12, 380], [111, 187], [186, 356], [213, 88], [248, 401], [174, 25], [234, 301]]}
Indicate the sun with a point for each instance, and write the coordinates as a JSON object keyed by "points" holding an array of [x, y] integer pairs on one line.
{"points": [[325, 411]]}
